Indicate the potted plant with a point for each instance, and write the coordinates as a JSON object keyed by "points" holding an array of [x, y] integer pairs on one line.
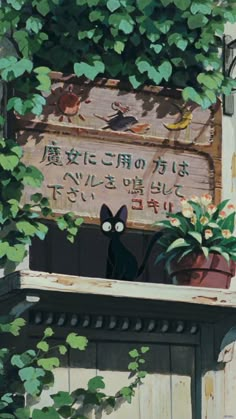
{"points": [[198, 245]]}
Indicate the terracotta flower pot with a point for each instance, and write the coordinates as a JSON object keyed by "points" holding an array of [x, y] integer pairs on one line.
{"points": [[196, 270]]}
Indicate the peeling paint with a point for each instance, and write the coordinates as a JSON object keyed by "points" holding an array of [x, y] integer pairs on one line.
{"points": [[205, 300], [65, 281], [209, 388]]}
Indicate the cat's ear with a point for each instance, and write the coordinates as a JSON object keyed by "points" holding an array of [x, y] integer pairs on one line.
{"points": [[122, 213], [105, 213]]}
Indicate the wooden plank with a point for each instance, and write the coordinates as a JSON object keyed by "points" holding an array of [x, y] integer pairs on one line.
{"points": [[213, 392], [80, 174], [112, 363], [155, 393], [82, 366], [147, 112], [41, 281], [183, 382], [155, 400], [130, 152]]}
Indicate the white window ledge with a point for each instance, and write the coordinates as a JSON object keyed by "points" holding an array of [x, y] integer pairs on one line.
{"points": [[34, 281]]}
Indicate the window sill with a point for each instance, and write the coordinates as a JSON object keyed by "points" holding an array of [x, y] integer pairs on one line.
{"points": [[40, 282]]}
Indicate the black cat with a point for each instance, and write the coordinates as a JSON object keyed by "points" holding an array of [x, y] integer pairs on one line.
{"points": [[121, 263]]}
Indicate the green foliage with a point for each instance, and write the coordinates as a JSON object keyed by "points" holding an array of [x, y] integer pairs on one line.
{"points": [[30, 372], [201, 227], [11, 325], [170, 42], [20, 223]]}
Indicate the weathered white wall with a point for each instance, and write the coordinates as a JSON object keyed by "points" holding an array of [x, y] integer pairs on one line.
{"points": [[229, 148], [229, 142]]}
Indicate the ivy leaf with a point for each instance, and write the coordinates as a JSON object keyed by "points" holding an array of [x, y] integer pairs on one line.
{"points": [[48, 364], [23, 359], [3, 248], [23, 413], [36, 197], [197, 21], [182, 4], [113, 5], [133, 366], [77, 342], [45, 413], [34, 24], [30, 376], [16, 253], [126, 26], [16, 4], [207, 81], [96, 383], [145, 349], [41, 230], [79, 221], [126, 393], [142, 374], [62, 349], [62, 398], [26, 227], [165, 69], [8, 162], [89, 70], [22, 39], [43, 346], [142, 65], [189, 93], [16, 326], [134, 353], [48, 332], [42, 6], [33, 177], [134, 81], [43, 76], [38, 103], [156, 47], [203, 8], [166, 2], [119, 47], [7, 62], [182, 44]]}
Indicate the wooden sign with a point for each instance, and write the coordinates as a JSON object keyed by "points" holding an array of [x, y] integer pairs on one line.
{"points": [[148, 154]]}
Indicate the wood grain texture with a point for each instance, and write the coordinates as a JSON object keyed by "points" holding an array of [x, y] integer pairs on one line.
{"points": [[102, 121], [42, 281], [182, 382], [84, 104], [81, 174]]}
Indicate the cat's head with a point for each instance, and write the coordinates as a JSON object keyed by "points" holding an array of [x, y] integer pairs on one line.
{"points": [[113, 224]]}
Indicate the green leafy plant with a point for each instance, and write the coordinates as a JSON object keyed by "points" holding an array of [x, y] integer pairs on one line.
{"points": [[201, 227], [170, 42], [32, 371], [20, 223]]}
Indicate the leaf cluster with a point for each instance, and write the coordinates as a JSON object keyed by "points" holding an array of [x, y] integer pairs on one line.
{"points": [[169, 42], [32, 371], [201, 227], [20, 223]]}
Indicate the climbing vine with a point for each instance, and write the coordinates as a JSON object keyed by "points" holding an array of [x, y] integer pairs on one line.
{"points": [[170, 42], [20, 223], [27, 374]]}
